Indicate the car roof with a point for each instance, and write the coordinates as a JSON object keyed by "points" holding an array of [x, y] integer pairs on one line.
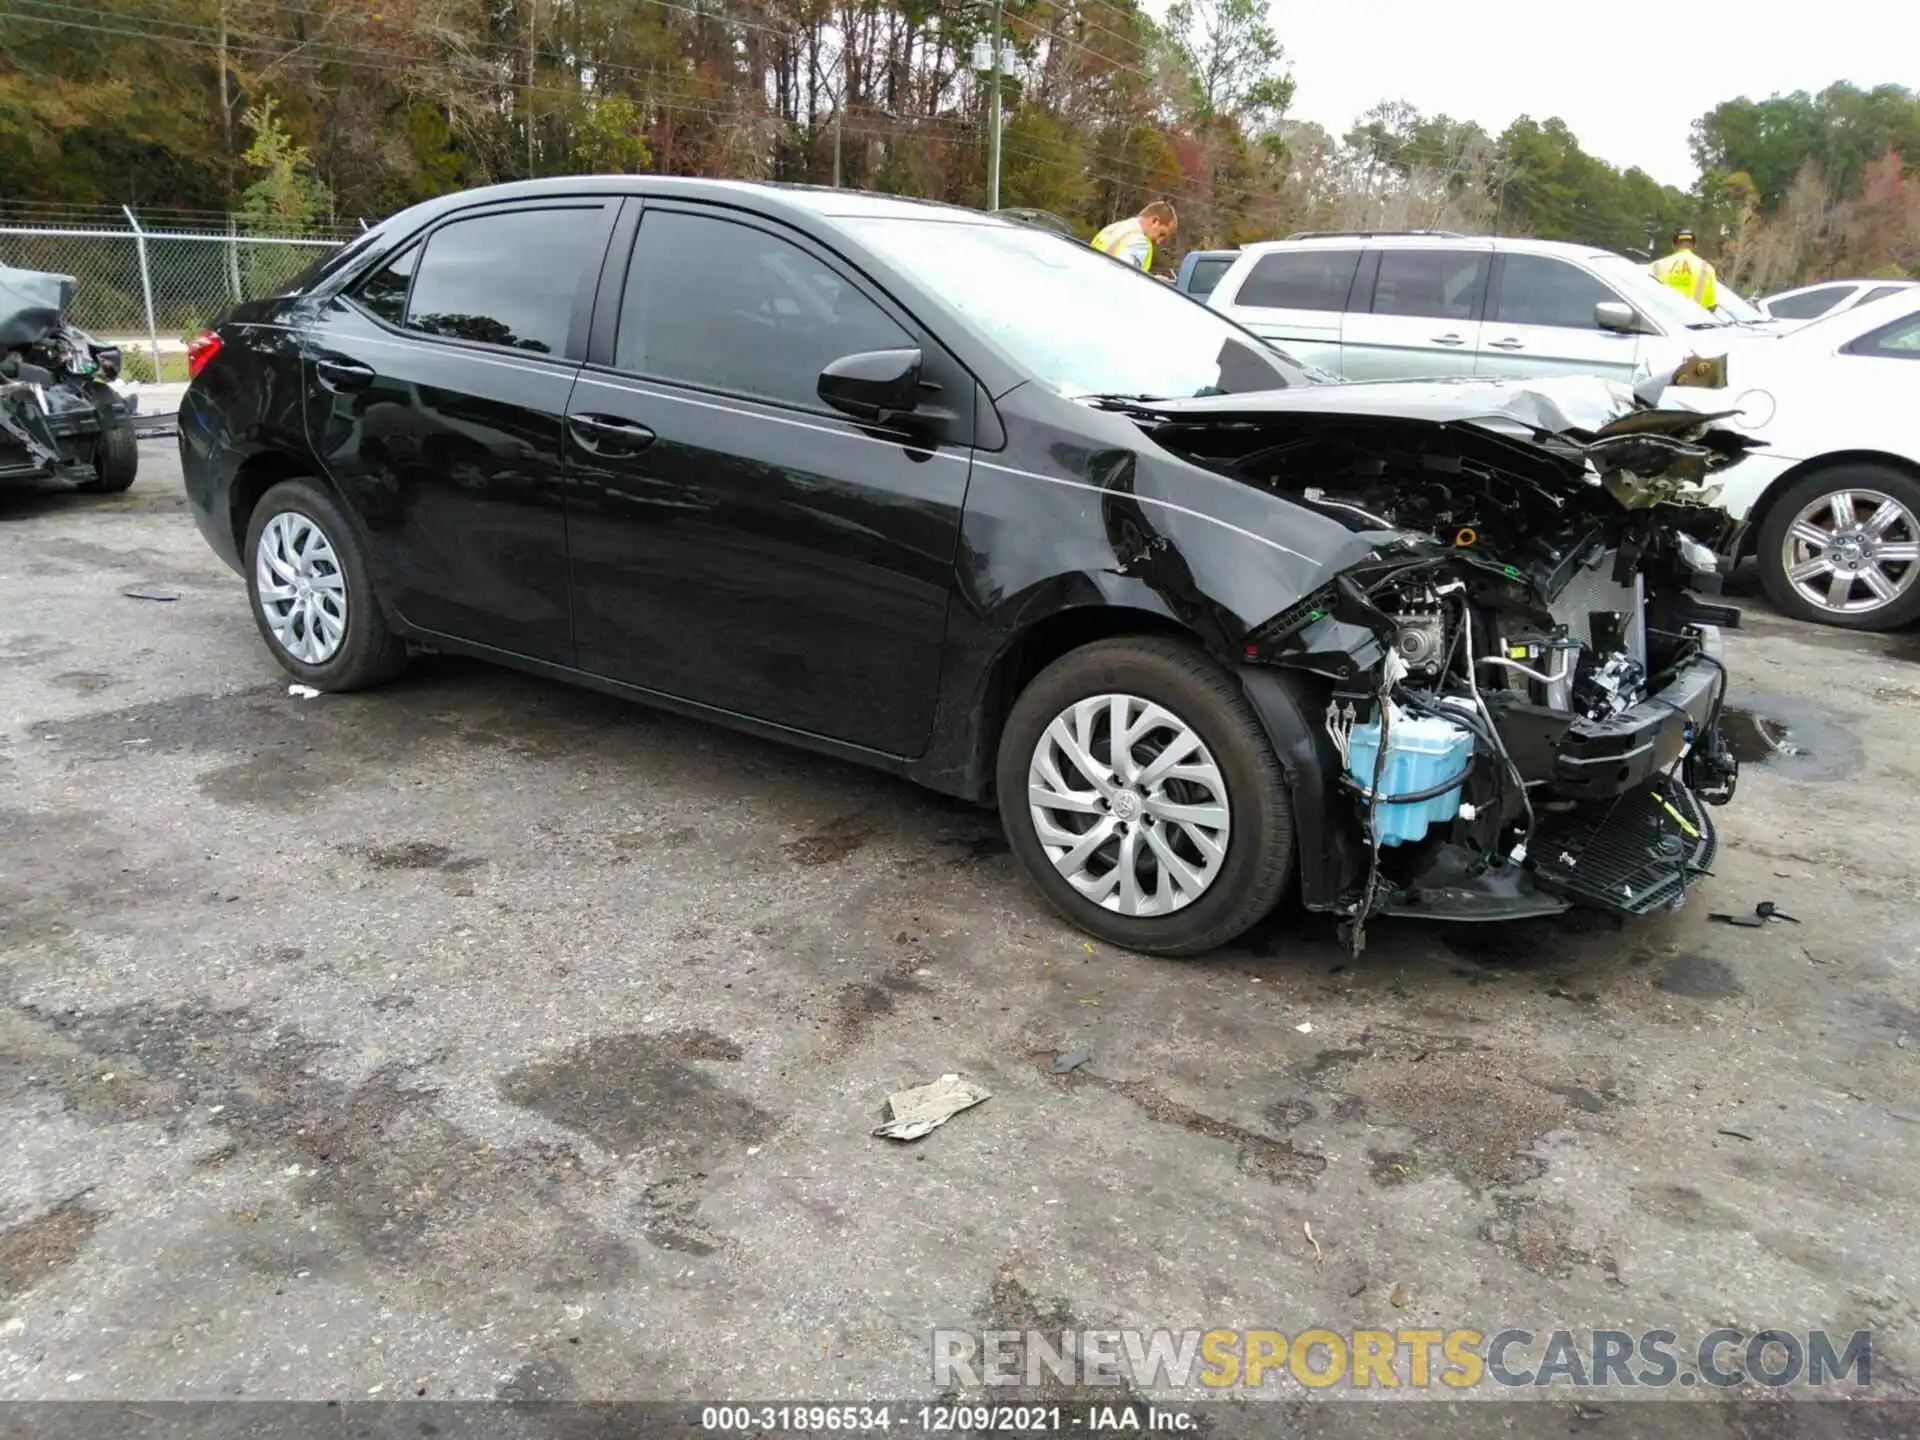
{"points": [[1506, 244], [798, 202], [1832, 284]]}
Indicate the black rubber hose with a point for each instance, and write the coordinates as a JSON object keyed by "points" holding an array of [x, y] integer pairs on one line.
{"points": [[1414, 797]]}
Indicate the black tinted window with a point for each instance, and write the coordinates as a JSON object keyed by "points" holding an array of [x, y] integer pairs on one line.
{"points": [[717, 304], [385, 291], [507, 279], [1898, 341], [1536, 290], [1807, 304], [1300, 280], [1439, 284], [1206, 274]]}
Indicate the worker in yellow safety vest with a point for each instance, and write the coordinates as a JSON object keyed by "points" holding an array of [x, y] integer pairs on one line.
{"points": [[1687, 272], [1132, 240]]}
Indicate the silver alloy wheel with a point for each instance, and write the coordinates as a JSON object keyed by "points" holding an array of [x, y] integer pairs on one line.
{"points": [[1852, 551], [303, 592], [1129, 805]]}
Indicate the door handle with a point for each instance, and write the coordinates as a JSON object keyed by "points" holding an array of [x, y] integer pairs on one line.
{"points": [[338, 374], [1449, 339], [609, 434], [1507, 344]]}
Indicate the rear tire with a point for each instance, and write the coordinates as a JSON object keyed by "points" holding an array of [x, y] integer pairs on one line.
{"points": [[1804, 527], [116, 459], [1174, 701], [312, 595]]}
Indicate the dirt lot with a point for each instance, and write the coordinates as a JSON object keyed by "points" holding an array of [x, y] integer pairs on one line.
{"points": [[479, 1037]]}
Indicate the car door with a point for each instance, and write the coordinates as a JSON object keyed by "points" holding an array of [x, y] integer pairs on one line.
{"points": [[1295, 299], [734, 540], [1540, 322], [1420, 317], [436, 393]]}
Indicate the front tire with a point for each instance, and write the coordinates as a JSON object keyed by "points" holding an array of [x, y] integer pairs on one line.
{"points": [[1841, 546], [116, 459], [312, 592], [1171, 839]]}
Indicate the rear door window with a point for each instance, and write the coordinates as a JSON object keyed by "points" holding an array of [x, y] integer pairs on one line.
{"points": [[1300, 280], [1880, 292], [1897, 341], [511, 278], [1539, 290], [1808, 303], [1433, 284], [730, 307]]}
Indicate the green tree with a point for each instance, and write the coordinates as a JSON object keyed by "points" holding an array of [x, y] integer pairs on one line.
{"points": [[1233, 59], [608, 137], [286, 195]]}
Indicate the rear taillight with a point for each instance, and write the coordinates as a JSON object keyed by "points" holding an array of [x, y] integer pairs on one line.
{"points": [[202, 348]]}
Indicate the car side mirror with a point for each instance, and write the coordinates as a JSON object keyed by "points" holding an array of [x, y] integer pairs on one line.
{"points": [[1615, 315], [877, 385]]}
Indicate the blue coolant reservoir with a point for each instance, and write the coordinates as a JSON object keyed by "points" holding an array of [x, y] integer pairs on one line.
{"points": [[1421, 753]]}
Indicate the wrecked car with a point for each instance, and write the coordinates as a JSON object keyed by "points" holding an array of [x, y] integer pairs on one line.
{"points": [[957, 498], [59, 414]]}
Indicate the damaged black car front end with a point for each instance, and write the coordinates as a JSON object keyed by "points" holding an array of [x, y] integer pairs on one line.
{"points": [[1511, 704], [60, 417]]}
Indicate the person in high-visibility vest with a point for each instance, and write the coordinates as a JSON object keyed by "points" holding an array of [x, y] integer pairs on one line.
{"points": [[1687, 272], [1132, 240]]}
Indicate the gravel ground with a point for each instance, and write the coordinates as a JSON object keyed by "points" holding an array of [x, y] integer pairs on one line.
{"points": [[479, 1037]]}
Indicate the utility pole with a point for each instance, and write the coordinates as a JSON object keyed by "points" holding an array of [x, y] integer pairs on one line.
{"points": [[993, 123], [839, 105]]}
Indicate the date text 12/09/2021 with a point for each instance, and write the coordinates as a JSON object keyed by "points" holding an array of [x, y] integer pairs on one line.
{"points": [[945, 1419]]}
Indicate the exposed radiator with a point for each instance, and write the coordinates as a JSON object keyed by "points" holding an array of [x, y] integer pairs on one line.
{"points": [[1592, 588]]}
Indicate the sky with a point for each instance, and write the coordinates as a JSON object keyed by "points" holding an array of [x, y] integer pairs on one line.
{"points": [[1624, 82]]}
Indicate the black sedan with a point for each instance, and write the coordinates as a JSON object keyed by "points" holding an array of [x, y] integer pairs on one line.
{"points": [[962, 499]]}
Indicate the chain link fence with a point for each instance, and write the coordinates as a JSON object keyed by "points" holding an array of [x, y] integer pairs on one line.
{"points": [[150, 286]]}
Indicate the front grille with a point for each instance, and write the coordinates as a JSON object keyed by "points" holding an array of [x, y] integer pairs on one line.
{"points": [[1628, 854]]}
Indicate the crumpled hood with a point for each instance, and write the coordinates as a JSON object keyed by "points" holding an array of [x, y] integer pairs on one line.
{"points": [[1554, 405]]}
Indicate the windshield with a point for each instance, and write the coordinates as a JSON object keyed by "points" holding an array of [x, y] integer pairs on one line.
{"points": [[1664, 303], [1737, 310], [1078, 321]]}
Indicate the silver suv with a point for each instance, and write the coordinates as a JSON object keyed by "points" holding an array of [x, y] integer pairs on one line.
{"points": [[1392, 307]]}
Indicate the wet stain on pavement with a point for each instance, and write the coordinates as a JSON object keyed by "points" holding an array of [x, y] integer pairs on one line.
{"points": [[630, 1095], [85, 682], [409, 855], [34, 1249], [669, 1216], [1685, 1206], [1472, 1110], [1698, 977], [695, 1043], [1392, 1167], [1277, 1160], [829, 842], [1793, 738], [430, 1201], [1540, 1235], [861, 1003]]}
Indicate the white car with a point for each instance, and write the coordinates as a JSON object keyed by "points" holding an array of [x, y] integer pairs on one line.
{"points": [[1810, 302], [1832, 500], [1418, 306]]}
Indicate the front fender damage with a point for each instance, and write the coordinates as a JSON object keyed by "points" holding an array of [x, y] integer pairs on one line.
{"points": [[1509, 703]]}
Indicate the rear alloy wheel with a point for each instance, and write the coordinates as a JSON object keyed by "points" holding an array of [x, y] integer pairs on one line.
{"points": [[312, 597], [1842, 547], [1139, 791]]}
